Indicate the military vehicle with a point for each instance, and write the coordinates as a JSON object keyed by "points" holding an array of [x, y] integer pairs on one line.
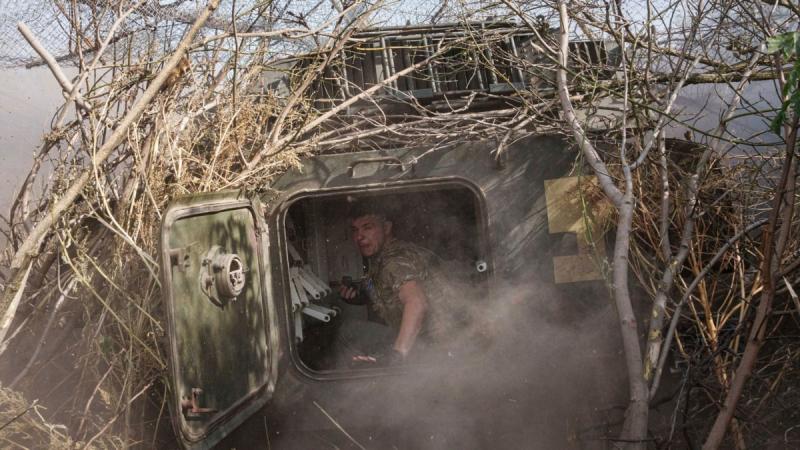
{"points": [[250, 283]]}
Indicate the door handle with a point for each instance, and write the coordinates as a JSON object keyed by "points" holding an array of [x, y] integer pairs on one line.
{"points": [[191, 406], [382, 159]]}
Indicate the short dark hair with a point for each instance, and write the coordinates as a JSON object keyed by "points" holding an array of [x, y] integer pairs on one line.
{"points": [[363, 208]]}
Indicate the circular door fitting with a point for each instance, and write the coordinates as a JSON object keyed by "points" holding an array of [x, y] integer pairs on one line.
{"points": [[223, 276]]}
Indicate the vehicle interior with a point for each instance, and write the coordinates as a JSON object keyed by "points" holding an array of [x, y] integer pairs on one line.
{"points": [[444, 218]]}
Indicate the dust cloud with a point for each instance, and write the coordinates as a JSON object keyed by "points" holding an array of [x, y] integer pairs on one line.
{"points": [[540, 368], [30, 98]]}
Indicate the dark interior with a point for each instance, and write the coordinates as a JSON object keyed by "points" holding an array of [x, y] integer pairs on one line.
{"points": [[444, 219]]}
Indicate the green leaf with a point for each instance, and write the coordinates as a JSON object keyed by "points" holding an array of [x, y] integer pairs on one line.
{"points": [[788, 43], [776, 43], [777, 122], [796, 47]]}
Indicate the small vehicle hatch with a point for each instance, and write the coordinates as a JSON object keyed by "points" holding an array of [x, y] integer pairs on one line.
{"points": [[214, 276]]}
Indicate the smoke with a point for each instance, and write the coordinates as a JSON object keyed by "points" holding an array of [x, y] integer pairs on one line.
{"points": [[537, 365], [540, 368]]}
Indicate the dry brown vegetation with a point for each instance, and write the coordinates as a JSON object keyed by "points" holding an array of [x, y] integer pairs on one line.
{"points": [[176, 104]]}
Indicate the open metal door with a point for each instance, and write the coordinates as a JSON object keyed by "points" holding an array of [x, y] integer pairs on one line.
{"points": [[215, 280]]}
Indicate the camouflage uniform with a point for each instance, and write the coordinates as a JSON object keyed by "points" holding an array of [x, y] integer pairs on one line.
{"points": [[401, 261]]}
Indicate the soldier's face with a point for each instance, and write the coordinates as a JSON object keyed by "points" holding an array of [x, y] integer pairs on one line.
{"points": [[370, 233]]}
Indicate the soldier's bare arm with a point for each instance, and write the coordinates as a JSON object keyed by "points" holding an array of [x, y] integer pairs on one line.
{"points": [[415, 304]]}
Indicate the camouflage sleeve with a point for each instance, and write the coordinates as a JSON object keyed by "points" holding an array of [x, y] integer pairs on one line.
{"points": [[399, 270]]}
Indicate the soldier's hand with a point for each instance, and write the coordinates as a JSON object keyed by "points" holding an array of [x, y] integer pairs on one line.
{"points": [[351, 292], [348, 292]]}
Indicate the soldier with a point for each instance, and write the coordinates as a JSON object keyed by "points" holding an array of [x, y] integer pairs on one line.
{"points": [[405, 288]]}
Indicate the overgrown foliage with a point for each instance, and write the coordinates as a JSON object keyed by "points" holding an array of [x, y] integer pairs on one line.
{"points": [[164, 106]]}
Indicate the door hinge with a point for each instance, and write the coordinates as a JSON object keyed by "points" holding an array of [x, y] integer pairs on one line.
{"points": [[190, 405]]}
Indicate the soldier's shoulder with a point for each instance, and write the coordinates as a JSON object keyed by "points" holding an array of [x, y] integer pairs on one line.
{"points": [[405, 250]]}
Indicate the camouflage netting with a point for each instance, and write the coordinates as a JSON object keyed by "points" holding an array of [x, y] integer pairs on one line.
{"points": [[50, 21], [42, 17]]}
